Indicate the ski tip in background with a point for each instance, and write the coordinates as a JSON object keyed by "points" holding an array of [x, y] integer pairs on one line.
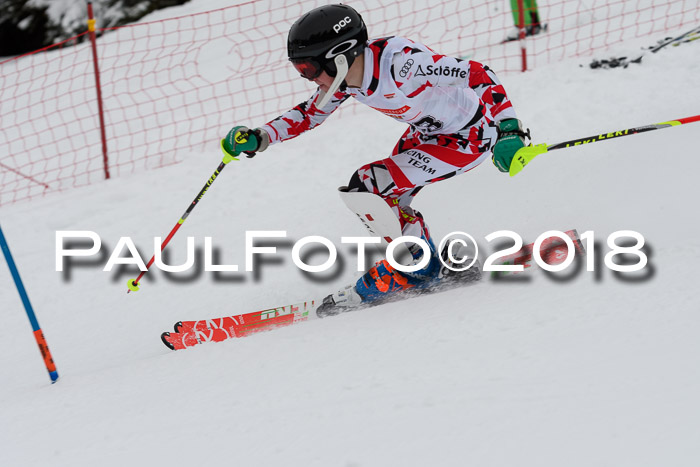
{"points": [[177, 326], [164, 338]]}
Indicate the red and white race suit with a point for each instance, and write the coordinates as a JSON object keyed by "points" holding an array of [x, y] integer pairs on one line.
{"points": [[451, 106]]}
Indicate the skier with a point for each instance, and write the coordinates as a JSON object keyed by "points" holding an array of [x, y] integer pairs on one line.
{"points": [[531, 16], [457, 111]]}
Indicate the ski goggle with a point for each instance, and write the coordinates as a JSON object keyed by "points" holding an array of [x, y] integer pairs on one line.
{"points": [[307, 67]]}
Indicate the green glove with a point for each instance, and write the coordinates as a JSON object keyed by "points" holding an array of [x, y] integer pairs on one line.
{"points": [[242, 139], [511, 137]]}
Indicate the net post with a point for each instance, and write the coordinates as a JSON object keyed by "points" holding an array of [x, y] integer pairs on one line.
{"points": [[98, 87]]}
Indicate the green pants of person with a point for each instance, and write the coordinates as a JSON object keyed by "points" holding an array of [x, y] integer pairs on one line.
{"points": [[531, 16]]}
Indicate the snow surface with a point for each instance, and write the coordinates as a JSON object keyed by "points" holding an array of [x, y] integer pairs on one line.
{"points": [[593, 370]]}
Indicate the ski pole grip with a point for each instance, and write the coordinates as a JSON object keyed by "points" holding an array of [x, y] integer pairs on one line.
{"points": [[524, 156], [228, 157]]}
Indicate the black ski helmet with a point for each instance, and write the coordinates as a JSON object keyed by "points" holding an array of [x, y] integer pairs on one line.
{"points": [[321, 34]]}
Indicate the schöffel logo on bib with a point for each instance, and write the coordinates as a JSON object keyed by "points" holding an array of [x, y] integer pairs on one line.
{"points": [[441, 71], [341, 24]]}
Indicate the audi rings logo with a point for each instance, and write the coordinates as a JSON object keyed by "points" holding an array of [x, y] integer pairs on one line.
{"points": [[406, 67], [342, 47]]}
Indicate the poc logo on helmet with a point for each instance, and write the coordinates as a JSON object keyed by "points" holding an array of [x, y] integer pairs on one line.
{"points": [[341, 24]]}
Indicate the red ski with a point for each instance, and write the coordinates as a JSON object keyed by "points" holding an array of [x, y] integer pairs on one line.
{"points": [[553, 251], [190, 333]]}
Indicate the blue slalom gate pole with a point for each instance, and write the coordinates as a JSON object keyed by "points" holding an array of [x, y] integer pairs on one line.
{"points": [[38, 334]]}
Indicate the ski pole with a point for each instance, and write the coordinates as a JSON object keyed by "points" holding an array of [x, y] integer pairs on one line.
{"points": [[133, 284], [38, 333], [526, 154]]}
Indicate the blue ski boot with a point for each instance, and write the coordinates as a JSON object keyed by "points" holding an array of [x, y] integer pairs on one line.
{"points": [[382, 283]]}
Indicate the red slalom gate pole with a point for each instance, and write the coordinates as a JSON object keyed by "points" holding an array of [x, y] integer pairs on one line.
{"points": [[521, 34]]}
